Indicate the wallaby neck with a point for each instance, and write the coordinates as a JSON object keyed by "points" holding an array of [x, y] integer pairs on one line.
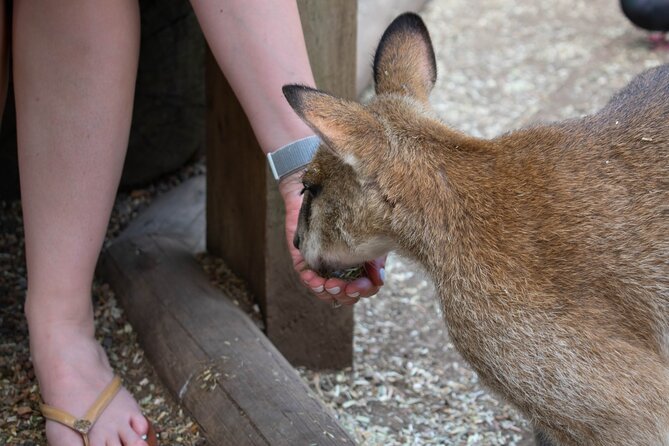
{"points": [[444, 204], [465, 209]]}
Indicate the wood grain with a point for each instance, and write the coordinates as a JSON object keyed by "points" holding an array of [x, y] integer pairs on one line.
{"points": [[188, 329]]}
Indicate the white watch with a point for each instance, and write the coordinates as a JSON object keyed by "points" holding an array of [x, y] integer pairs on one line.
{"points": [[293, 156]]}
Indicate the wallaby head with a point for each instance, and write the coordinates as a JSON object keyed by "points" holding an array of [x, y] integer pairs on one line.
{"points": [[348, 204]]}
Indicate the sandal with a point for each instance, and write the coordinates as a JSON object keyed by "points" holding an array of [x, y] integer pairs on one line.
{"points": [[85, 424]]}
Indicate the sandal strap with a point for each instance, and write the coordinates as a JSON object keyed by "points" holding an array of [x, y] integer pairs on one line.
{"points": [[83, 425], [57, 415], [103, 400]]}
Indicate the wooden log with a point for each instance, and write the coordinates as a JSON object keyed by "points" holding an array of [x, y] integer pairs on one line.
{"points": [[209, 353], [245, 219], [178, 214]]}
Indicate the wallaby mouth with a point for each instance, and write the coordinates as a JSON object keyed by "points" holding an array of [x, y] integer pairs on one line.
{"points": [[348, 274]]}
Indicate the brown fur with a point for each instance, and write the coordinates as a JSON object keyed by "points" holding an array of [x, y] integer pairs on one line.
{"points": [[549, 246]]}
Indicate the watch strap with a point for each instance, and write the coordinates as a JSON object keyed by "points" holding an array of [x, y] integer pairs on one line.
{"points": [[293, 156]]}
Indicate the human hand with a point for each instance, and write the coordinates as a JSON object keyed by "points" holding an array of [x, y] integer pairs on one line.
{"points": [[333, 290]]}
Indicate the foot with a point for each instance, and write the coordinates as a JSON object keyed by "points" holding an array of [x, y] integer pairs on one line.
{"points": [[72, 370]]}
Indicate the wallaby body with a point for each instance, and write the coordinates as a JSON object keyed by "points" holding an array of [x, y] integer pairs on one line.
{"points": [[548, 246]]}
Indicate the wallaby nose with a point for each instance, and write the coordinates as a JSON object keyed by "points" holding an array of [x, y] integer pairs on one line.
{"points": [[296, 241]]}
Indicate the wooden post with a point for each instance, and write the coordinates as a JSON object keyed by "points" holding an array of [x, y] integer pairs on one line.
{"points": [[245, 216]]}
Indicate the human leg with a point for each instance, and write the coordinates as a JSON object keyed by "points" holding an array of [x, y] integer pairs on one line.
{"points": [[75, 64]]}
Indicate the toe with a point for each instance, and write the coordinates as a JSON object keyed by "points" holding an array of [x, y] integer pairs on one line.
{"points": [[140, 425], [129, 437]]}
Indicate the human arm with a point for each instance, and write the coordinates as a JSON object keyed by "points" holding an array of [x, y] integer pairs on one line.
{"points": [[260, 47]]}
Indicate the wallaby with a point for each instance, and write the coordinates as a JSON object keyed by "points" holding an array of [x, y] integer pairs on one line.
{"points": [[548, 246]]}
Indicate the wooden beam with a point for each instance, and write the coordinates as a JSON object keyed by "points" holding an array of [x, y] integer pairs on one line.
{"points": [[245, 219], [330, 31], [210, 354]]}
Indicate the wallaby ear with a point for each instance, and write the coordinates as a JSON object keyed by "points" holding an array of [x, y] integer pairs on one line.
{"points": [[346, 127], [404, 62]]}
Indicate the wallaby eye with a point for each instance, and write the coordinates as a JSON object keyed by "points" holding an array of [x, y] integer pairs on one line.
{"points": [[313, 189]]}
